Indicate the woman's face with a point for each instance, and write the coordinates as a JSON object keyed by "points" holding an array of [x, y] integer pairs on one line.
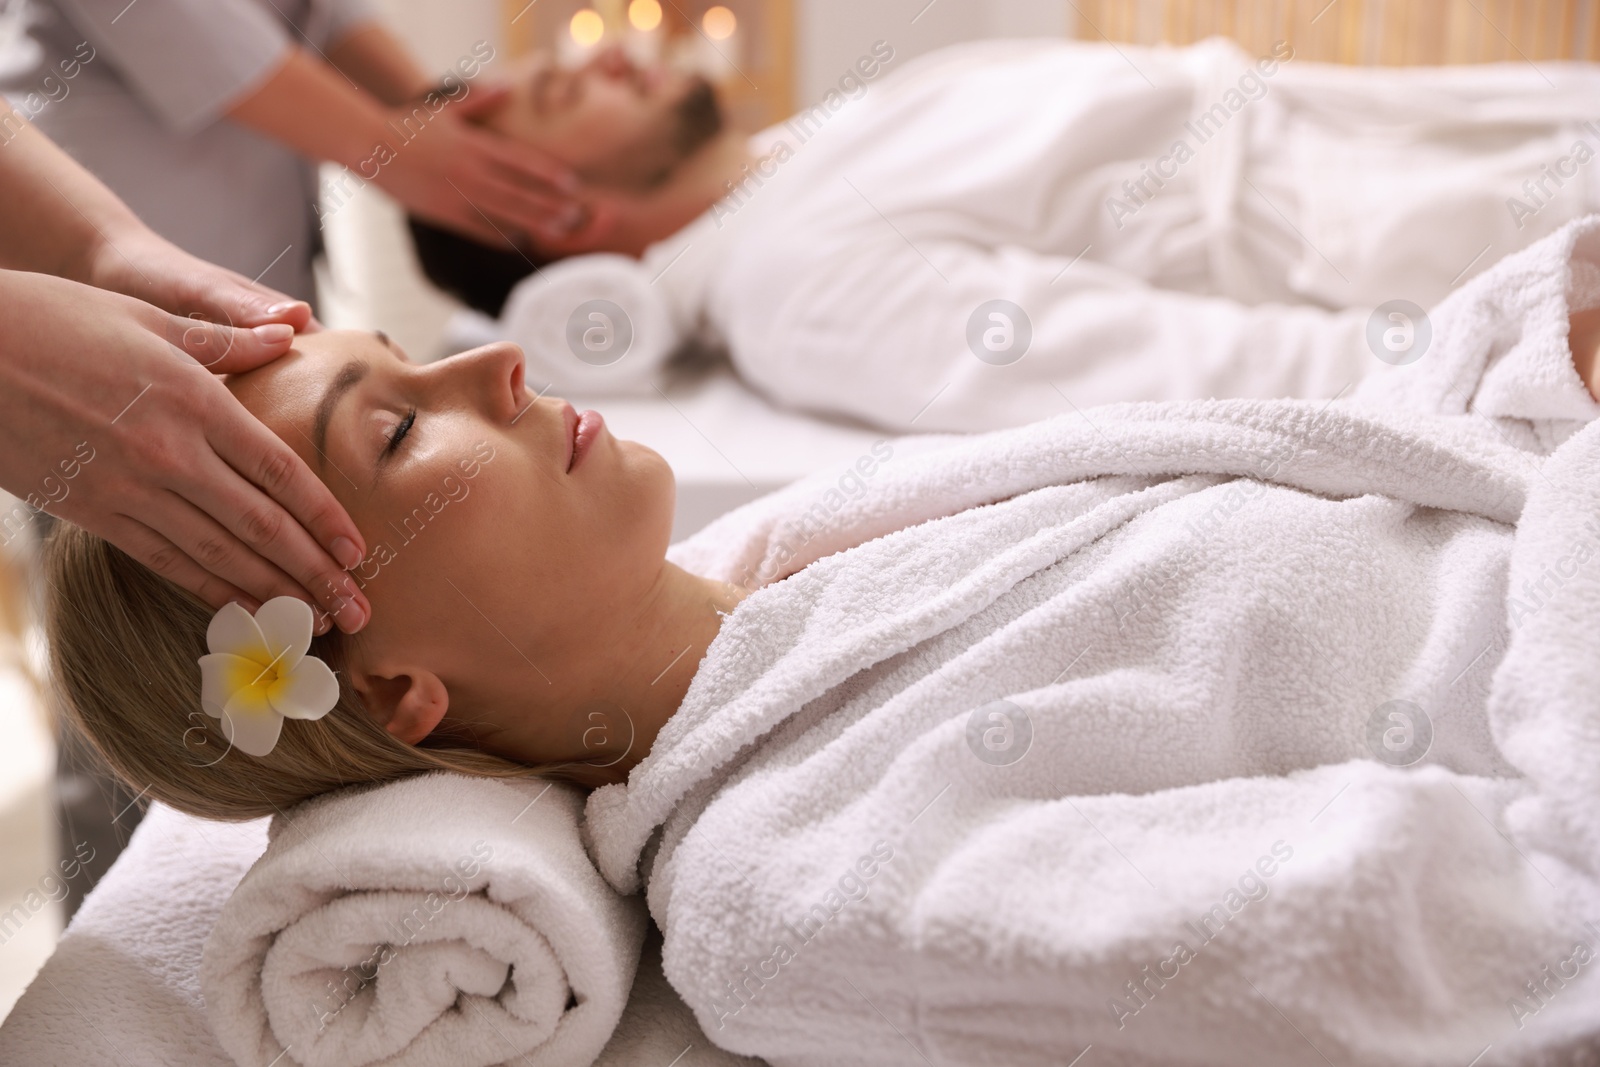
{"points": [[491, 566]]}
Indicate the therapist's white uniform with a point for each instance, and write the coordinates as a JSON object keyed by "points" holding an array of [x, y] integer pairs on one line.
{"points": [[145, 115]]}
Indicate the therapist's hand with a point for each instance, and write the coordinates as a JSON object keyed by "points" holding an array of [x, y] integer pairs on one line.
{"points": [[106, 423], [480, 182], [139, 263]]}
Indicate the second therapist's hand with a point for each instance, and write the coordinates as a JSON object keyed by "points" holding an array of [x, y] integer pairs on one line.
{"points": [[106, 423], [479, 182]]}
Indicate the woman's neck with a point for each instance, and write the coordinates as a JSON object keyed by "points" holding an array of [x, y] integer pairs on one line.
{"points": [[608, 723]]}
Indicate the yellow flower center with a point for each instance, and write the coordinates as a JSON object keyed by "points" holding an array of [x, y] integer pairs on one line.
{"points": [[259, 673]]}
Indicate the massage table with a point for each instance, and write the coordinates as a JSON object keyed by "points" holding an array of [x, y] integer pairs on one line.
{"points": [[123, 985]]}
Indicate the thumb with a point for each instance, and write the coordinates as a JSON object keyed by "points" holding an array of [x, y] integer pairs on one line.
{"points": [[256, 305], [231, 350], [481, 99], [199, 289]]}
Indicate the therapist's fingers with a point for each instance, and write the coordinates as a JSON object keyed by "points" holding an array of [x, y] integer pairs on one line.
{"points": [[519, 186], [224, 297], [483, 98], [518, 208], [198, 535], [188, 286], [226, 349], [279, 508], [172, 563], [596, 221], [241, 535], [529, 165]]}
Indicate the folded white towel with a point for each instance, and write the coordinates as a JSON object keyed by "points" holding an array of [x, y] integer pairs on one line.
{"points": [[439, 920], [591, 325], [132, 958]]}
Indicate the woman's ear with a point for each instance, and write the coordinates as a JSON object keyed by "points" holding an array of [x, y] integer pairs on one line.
{"points": [[409, 706]]}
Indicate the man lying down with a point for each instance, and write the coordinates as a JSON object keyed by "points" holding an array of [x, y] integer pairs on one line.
{"points": [[1255, 731], [1001, 231]]}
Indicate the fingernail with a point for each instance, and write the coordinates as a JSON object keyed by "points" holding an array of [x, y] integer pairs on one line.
{"points": [[274, 333], [346, 552], [352, 617], [279, 309]]}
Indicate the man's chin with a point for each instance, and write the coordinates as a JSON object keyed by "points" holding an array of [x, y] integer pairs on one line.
{"points": [[663, 79], [699, 114]]}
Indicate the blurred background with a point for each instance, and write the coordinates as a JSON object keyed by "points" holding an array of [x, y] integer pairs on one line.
{"points": [[771, 58]]}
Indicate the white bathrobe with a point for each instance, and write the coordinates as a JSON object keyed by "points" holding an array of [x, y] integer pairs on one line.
{"points": [[844, 275], [1204, 733]]}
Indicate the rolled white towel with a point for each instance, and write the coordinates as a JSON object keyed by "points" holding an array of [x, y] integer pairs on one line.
{"points": [[592, 325], [437, 920]]}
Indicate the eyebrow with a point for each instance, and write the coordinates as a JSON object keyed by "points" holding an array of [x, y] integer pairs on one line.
{"points": [[349, 376]]}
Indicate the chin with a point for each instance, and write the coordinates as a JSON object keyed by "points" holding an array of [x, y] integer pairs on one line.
{"points": [[652, 489]]}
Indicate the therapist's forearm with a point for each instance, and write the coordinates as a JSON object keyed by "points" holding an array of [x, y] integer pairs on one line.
{"points": [[376, 60], [310, 107], [59, 216]]}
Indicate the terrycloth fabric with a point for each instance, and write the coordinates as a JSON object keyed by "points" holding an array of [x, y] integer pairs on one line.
{"points": [[593, 325], [130, 959], [973, 238], [1223, 732], [130, 964], [441, 920]]}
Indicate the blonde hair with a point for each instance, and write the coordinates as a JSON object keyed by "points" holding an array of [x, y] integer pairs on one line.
{"points": [[124, 645]]}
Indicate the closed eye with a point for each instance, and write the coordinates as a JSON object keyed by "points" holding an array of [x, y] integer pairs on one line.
{"points": [[400, 432]]}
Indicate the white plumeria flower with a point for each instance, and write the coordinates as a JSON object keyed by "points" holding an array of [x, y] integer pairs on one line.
{"points": [[258, 673]]}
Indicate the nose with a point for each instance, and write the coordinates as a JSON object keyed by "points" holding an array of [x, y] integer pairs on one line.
{"points": [[491, 376], [612, 61]]}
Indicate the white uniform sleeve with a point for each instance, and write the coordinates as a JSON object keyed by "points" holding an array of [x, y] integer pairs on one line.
{"points": [[891, 333]]}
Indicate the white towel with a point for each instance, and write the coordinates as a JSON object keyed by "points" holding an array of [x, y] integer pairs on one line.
{"points": [[438, 920], [130, 961], [1114, 730], [592, 325]]}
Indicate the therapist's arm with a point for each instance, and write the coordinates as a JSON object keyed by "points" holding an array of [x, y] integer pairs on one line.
{"points": [[183, 478], [450, 172], [376, 60], [59, 219]]}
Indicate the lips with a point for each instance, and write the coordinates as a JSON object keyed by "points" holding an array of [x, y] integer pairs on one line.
{"points": [[590, 426], [569, 420]]}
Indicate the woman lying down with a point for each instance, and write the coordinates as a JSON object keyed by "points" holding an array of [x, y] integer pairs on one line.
{"points": [[1207, 732]]}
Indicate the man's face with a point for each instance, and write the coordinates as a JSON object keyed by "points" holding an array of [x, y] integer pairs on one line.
{"points": [[613, 122]]}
